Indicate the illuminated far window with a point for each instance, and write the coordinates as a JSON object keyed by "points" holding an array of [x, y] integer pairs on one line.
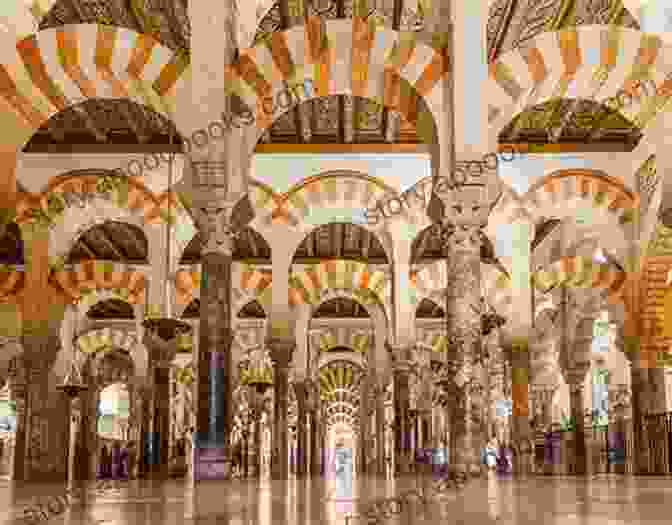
{"points": [[601, 334]]}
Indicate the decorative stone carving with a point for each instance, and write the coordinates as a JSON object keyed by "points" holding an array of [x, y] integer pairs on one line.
{"points": [[215, 222]]}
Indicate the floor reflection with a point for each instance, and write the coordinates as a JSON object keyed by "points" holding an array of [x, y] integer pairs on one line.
{"points": [[609, 500]]}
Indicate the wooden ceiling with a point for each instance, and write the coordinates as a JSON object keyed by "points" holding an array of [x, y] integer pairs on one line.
{"points": [[110, 309], [341, 308], [429, 310], [111, 241], [340, 241], [114, 125]]}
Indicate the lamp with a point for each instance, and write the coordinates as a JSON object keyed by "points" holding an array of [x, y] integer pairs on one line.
{"points": [[72, 383]]}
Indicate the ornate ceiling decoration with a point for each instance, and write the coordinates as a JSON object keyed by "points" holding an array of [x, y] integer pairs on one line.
{"points": [[341, 308], [111, 241], [429, 310], [340, 241], [105, 122], [563, 120], [111, 309], [166, 20], [512, 23]]}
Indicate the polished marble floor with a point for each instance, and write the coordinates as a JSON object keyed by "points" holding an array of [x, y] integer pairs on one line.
{"points": [[605, 500]]}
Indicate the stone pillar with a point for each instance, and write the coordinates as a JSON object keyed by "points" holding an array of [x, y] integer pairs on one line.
{"points": [[161, 417], [402, 422], [214, 363], [300, 391], [144, 404], [315, 443], [281, 355], [17, 382], [47, 413], [575, 378], [521, 431], [365, 441], [461, 203], [379, 393]]}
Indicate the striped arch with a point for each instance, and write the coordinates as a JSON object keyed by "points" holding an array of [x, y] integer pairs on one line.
{"points": [[334, 196], [80, 280], [49, 71], [88, 300], [12, 280], [346, 57], [591, 62], [254, 284], [582, 272], [431, 280], [112, 198], [24, 17], [359, 341], [436, 341], [366, 284], [553, 195], [106, 339]]}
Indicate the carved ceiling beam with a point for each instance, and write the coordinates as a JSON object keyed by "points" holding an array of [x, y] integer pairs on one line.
{"points": [[138, 246], [138, 129], [366, 242], [502, 29], [346, 109], [338, 240], [90, 124], [90, 252], [101, 235]]}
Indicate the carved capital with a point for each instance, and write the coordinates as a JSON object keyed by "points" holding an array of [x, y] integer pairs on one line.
{"points": [[215, 221], [281, 351]]}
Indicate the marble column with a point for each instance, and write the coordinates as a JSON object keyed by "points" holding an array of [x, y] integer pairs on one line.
{"points": [[300, 391], [365, 441], [47, 413], [281, 356], [575, 378], [402, 421], [213, 360], [379, 393], [161, 418], [315, 452]]}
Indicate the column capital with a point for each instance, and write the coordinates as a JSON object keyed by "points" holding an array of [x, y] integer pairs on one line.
{"points": [[281, 350]]}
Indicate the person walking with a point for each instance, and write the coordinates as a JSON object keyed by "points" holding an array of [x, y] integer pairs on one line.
{"points": [[132, 460], [115, 462]]}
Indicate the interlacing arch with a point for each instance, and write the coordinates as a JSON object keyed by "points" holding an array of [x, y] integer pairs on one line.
{"points": [[358, 341], [367, 284], [592, 62], [126, 281], [12, 280], [353, 57], [582, 272], [329, 197], [51, 70]]}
